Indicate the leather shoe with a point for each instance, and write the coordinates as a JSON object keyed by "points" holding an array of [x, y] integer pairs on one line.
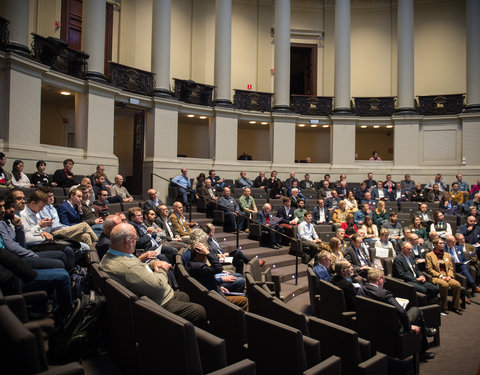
{"points": [[467, 301], [476, 289], [276, 246], [445, 312], [261, 262], [427, 355], [430, 332], [457, 311]]}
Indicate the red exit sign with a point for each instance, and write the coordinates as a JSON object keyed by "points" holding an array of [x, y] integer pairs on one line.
{"points": [[249, 86]]}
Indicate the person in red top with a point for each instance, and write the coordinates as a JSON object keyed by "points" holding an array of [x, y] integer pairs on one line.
{"points": [[349, 225]]}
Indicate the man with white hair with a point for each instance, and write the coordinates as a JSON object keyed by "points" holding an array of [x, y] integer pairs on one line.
{"points": [[119, 190], [152, 202], [146, 279]]}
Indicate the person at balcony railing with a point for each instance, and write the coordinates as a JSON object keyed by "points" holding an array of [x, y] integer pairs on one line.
{"points": [[64, 177], [184, 186], [260, 181], [370, 182], [217, 182], [408, 184], [40, 178], [234, 220], [5, 177], [118, 190], [20, 179], [245, 156], [325, 191], [437, 180], [307, 183], [289, 181], [272, 179], [418, 194], [244, 181], [375, 157]]}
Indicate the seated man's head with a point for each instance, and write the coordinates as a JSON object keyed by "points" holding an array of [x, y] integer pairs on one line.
{"points": [[375, 276], [110, 222], [226, 192], [162, 211], [343, 268], [135, 215], [208, 183], [178, 208], [152, 194], [102, 196], [119, 180], [99, 179], [149, 216], [267, 208], [68, 164], [323, 257], [247, 192], [123, 238], [368, 196], [301, 204]]}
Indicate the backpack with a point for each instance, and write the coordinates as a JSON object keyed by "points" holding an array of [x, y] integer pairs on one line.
{"points": [[80, 282], [81, 334]]}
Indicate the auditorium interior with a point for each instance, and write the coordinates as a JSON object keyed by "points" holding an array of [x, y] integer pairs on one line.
{"points": [[148, 87]]}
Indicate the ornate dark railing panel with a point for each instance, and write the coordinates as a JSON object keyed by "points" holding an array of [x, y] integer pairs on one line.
{"points": [[252, 100], [380, 106], [4, 34], [55, 53], [312, 105], [130, 79], [440, 104], [189, 91]]}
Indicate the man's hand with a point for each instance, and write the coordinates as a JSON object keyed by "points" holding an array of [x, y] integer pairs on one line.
{"points": [[17, 222], [421, 279], [416, 329], [224, 290], [99, 220], [150, 230], [228, 279], [160, 264], [147, 255], [201, 248], [47, 236], [45, 222]]}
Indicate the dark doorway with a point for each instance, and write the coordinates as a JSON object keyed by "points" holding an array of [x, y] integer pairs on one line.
{"points": [[303, 69]]}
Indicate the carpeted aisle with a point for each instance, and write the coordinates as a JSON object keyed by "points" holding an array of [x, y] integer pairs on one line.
{"points": [[459, 350]]}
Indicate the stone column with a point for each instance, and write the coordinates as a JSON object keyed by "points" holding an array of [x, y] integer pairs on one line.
{"points": [[342, 57], [161, 19], [282, 56], [93, 37], [223, 51], [405, 69], [16, 12], [473, 56]]}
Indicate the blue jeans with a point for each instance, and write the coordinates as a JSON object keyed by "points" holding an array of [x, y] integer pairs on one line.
{"points": [[56, 282], [185, 192], [97, 229], [235, 286]]}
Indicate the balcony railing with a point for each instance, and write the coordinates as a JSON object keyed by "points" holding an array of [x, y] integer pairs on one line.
{"points": [[130, 79], [191, 92], [253, 100], [379, 106], [55, 53], [440, 104], [4, 34], [312, 105]]}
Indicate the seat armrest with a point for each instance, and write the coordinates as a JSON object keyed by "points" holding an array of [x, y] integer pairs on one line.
{"points": [[366, 350], [17, 304], [377, 365], [348, 318], [461, 279], [212, 350], [244, 367], [431, 315], [312, 351], [331, 366]]}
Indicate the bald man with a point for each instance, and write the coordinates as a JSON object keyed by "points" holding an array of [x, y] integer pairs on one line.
{"points": [[146, 279], [152, 202]]}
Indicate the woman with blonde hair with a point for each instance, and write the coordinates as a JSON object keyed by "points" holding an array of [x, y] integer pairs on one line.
{"points": [[336, 250], [380, 214], [371, 230], [384, 243]]}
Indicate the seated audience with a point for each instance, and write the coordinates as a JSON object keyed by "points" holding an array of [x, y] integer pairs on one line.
{"points": [[20, 179], [425, 216], [151, 281], [358, 257], [410, 320], [418, 251], [40, 178], [351, 203], [244, 181], [308, 236], [168, 233], [325, 191], [300, 211], [434, 195], [217, 182], [64, 177], [100, 184], [457, 195], [307, 183], [470, 231], [296, 196], [234, 220], [360, 192], [260, 181], [152, 202], [5, 177], [264, 217], [322, 265], [372, 204], [276, 191], [439, 225], [320, 212], [287, 215], [200, 180], [470, 253], [184, 186], [289, 181], [118, 190], [379, 193], [89, 215], [342, 189], [343, 279], [247, 205], [405, 268], [272, 179], [393, 226], [103, 244], [438, 180], [370, 229], [429, 243], [336, 251], [417, 228], [398, 194], [370, 183], [384, 243], [339, 215], [440, 266], [408, 184], [101, 170], [418, 195], [448, 205], [361, 214], [388, 184], [210, 195], [100, 205], [179, 223], [349, 225]]}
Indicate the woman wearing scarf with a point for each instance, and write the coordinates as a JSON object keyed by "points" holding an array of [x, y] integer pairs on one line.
{"points": [[440, 266]]}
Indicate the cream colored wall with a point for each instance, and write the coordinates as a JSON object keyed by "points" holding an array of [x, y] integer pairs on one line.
{"points": [[371, 52], [53, 131], [255, 141], [193, 140], [440, 48], [312, 142], [203, 41], [42, 15], [181, 39], [123, 144]]}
